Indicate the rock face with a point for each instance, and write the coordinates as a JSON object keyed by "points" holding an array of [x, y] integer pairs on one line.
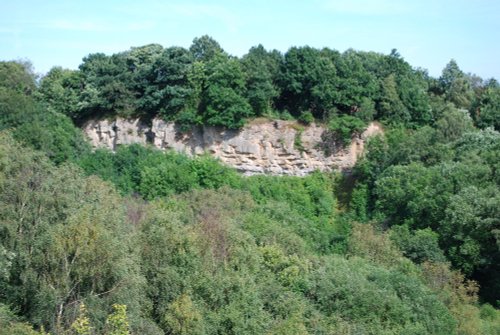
{"points": [[263, 146]]}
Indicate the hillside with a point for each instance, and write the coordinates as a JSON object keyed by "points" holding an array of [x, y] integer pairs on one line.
{"points": [[137, 240]]}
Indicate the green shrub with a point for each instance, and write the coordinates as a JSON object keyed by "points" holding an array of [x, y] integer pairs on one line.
{"points": [[306, 117], [344, 127]]}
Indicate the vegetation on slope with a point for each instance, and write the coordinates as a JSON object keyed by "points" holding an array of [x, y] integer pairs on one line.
{"points": [[145, 242], [206, 261]]}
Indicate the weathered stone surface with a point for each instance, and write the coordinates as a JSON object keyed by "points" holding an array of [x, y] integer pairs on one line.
{"points": [[263, 146]]}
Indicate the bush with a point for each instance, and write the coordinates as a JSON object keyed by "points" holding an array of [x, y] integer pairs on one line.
{"points": [[306, 117], [420, 245], [344, 127], [376, 300]]}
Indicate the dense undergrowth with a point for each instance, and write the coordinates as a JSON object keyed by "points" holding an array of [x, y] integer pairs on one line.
{"points": [[272, 256]]}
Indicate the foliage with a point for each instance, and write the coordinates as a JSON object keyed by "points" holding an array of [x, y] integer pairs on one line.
{"points": [[260, 259], [223, 100], [367, 243], [377, 300], [420, 245], [145, 242], [32, 123], [297, 141], [117, 323], [10, 324], [182, 317], [391, 108], [453, 124], [81, 325], [205, 85], [18, 77], [306, 118], [136, 169], [308, 81], [345, 127], [261, 70], [441, 184], [486, 108], [58, 225], [60, 90], [456, 85]]}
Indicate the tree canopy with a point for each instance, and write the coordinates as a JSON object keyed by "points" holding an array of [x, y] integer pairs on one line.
{"points": [[205, 85]]}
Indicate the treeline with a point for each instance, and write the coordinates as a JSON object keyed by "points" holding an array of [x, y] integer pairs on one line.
{"points": [[205, 85]]}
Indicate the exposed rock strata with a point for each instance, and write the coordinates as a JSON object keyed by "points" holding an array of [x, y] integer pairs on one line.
{"points": [[273, 147]]}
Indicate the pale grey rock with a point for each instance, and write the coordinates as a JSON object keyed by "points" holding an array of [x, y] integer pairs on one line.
{"points": [[263, 146]]}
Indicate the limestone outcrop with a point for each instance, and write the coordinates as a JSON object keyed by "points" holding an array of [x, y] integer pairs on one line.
{"points": [[263, 146]]}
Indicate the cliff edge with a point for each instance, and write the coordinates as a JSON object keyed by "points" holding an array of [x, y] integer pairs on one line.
{"points": [[263, 146]]}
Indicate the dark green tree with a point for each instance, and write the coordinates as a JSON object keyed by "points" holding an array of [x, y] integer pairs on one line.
{"points": [[308, 82], [470, 233], [169, 91], [390, 107], [358, 86], [261, 70], [486, 109], [224, 102]]}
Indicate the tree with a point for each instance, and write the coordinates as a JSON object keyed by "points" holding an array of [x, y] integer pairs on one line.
{"points": [[260, 70], [456, 85], [486, 110], [358, 85], [117, 322], [35, 123], [205, 48], [376, 299], [140, 59], [18, 76], [344, 127], [223, 100], [453, 124], [420, 245], [169, 91], [470, 233], [61, 227], [11, 325], [107, 88], [81, 325], [54, 134], [182, 317], [404, 194], [412, 89], [390, 107], [291, 326], [450, 74], [60, 91], [17, 85], [308, 82], [165, 174]]}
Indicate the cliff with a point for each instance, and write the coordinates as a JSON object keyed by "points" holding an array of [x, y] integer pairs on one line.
{"points": [[263, 146]]}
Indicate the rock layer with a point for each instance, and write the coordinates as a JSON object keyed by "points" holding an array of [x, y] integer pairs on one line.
{"points": [[263, 146]]}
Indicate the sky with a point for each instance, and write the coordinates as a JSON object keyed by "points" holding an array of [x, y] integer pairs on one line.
{"points": [[427, 33]]}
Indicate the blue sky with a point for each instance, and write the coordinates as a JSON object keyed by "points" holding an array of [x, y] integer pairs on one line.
{"points": [[427, 33]]}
